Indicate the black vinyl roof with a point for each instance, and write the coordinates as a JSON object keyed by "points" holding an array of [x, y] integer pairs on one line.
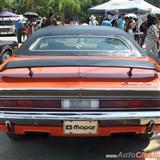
{"points": [[75, 30]]}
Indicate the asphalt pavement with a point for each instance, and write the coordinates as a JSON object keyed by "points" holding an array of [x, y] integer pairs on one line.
{"points": [[38, 147], [59, 148]]}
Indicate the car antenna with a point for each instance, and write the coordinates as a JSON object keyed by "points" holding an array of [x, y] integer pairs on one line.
{"points": [[130, 72], [30, 72]]}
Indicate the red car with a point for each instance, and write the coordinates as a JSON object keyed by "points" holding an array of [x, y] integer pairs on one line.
{"points": [[80, 81]]}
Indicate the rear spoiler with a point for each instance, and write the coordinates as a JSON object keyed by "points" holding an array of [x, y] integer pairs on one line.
{"points": [[121, 63]]}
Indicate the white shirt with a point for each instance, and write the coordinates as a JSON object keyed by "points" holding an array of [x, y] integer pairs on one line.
{"points": [[93, 22]]}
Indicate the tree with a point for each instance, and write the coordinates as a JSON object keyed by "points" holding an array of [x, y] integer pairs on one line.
{"points": [[4, 5], [85, 5], [18, 6], [154, 2], [45, 7], [62, 8], [73, 6]]}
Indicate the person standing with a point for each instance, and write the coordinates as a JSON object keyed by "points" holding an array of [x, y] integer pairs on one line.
{"points": [[152, 38], [143, 28], [48, 21], [19, 28], [54, 20], [30, 28], [93, 21], [121, 21], [130, 26], [37, 26], [25, 31], [43, 22], [106, 22]]}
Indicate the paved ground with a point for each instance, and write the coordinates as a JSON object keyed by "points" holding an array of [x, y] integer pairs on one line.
{"points": [[52, 148]]}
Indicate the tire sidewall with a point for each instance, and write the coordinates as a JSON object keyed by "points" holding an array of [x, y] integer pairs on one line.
{"points": [[3, 53]]}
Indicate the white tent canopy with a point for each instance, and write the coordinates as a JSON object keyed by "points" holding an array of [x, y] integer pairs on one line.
{"points": [[121, 5], [142, 3]]}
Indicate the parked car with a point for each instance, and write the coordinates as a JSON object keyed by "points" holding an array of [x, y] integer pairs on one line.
{"points": [[7, 49], [80, 81], [7, 27]]}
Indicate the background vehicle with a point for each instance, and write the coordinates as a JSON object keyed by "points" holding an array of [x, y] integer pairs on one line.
{"points": [[7, 27], [7, 49], [80, 81]]}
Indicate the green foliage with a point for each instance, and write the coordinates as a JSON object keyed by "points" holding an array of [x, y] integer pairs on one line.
{"points": [[62, 8], [4, 4], [85, 5], [67, 6], [44, 7], [154, 2]]}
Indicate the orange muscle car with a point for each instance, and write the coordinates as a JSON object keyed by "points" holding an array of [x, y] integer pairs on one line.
{"points": [[80, 81]]}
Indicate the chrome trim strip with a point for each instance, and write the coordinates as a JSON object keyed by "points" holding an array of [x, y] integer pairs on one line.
{"points": [[144, 117]]}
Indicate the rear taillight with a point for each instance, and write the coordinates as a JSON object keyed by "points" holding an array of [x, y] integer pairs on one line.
{"points": [[112, 103], [153, 103], [31, 103], [80, 104], [7, 103], [128, 103], [24, 103]]}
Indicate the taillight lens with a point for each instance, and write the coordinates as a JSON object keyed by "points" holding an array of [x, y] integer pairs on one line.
{"points": [[7, 103], [128, 103], [111, 103], [80, 104], [152, 103], [23, 103], [31, 103]]}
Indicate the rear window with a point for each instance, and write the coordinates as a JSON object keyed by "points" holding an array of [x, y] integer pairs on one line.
{"points": [[82, 46], [78, 44]]}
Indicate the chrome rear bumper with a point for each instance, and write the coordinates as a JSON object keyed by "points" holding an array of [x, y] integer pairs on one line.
{"points": [[143, 117]]}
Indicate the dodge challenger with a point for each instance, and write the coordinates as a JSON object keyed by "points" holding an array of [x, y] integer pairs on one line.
{"points": [[80, 81]]}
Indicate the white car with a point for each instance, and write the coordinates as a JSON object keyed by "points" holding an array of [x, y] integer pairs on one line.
{"points": [[7, 27]]}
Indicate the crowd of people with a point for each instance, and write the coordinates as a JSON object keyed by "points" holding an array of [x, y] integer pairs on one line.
{"points": [[127, 24], [148, 33], [24, 30], [148, 38]]}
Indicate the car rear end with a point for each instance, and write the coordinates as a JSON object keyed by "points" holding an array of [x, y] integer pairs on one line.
{"points": [[80, 81], [79, 101], [73, 115]]}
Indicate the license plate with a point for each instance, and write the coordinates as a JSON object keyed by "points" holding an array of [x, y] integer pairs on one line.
{"points": [[80, 127]]}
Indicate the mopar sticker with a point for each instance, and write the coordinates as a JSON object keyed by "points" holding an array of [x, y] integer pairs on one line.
{"points": [[80, 127]]}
